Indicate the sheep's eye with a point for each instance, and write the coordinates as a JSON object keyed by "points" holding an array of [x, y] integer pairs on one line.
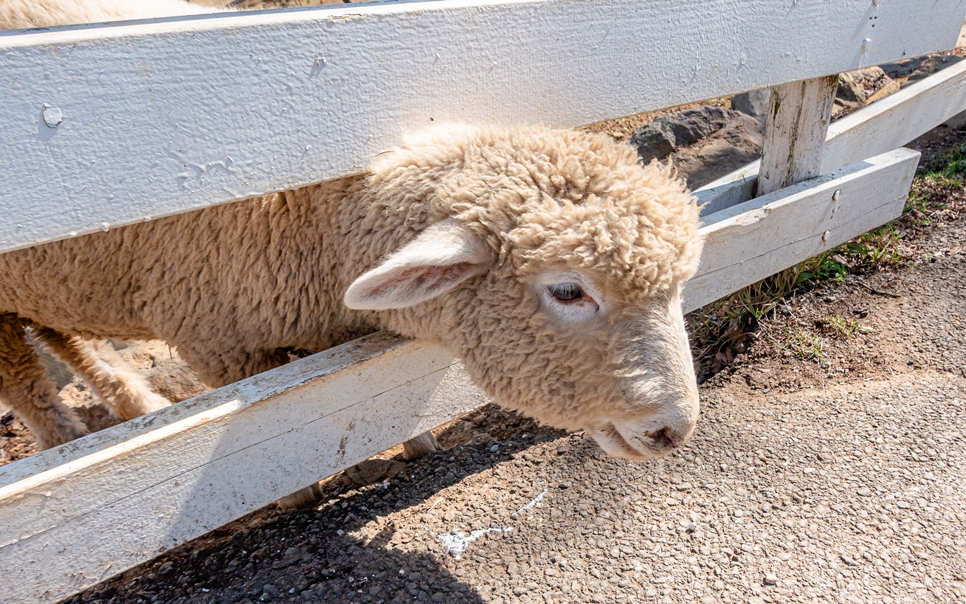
{"points": [[565, 292]]}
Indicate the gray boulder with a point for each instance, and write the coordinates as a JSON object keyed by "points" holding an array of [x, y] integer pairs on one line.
{"points": [[908, 71], [703, 143], [753, 103]]}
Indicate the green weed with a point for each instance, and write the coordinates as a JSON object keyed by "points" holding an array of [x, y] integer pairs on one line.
{"points": [[880, 247], [806, 346], [847, 327], [948, 169]]}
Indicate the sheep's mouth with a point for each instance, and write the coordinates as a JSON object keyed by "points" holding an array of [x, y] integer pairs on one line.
{"points": [[651, 445]]}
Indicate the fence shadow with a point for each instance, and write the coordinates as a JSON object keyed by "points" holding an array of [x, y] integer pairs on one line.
{"points": [[318, 555]]}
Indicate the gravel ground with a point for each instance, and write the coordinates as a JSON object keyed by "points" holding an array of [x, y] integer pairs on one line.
{"points": [[853, 493], [807, 481]]}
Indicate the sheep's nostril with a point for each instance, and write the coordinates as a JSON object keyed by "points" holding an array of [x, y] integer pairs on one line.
{"points": [[664, 439]]}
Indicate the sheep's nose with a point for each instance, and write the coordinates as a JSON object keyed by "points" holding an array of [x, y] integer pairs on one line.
{"points": [[665, 439]]}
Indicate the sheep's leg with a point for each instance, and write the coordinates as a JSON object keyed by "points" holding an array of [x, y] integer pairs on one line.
{"points": [[26, 388], [421, 446], [118, 384]]}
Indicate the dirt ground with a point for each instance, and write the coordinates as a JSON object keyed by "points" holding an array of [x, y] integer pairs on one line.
{"points": [[835, 476]]}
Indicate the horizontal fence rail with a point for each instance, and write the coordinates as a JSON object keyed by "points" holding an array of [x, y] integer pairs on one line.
{"points": [[108, 126], [77, 514], [758, 238]]}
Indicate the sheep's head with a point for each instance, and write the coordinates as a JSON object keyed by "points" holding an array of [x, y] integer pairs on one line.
{"points": [[551, 262]]}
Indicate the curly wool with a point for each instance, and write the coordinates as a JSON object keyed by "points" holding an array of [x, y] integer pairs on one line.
{"points": [[538, 194], [235, 286], [547, 200], [24, 14]]}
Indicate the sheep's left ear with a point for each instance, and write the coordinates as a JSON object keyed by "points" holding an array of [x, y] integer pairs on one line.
{"points": [[439, 259]]}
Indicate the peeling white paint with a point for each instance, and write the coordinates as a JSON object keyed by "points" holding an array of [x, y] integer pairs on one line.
{"points": [[53, 116]]}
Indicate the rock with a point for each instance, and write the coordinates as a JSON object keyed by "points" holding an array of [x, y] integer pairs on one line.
{"points": [[890, 87], [652, 142], [372, 471], [420, 446], [913, 70], [753, 103], [677, 130], [771, 579], [724, 154], [703, 143], [850, 89], [841, 107], [860, 87]]}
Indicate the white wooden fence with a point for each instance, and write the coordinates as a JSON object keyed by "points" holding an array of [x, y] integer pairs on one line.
{"points": [[105, 126]]}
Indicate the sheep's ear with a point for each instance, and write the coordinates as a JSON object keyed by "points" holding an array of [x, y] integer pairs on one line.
{"points": [[439, 259]]}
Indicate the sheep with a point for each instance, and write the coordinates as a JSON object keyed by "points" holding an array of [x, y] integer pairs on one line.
{"points": [[549, 261], [23, 14]]}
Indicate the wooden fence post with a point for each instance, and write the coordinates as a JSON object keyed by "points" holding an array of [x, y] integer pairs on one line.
{"points": [[798, 118]]}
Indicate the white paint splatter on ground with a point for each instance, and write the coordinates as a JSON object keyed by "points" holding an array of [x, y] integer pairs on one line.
{"points": [[458, 542], [535, 501]]}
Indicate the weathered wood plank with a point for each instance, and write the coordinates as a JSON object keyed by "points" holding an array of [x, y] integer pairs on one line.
{"points": [[90, 509], [164, 117], [896, 119], [758, 238], [884, 125], [798, 119]]}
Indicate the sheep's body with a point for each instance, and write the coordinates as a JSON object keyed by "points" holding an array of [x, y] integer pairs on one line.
{"points": [[234, 286], [549, 261], [23, 14]]}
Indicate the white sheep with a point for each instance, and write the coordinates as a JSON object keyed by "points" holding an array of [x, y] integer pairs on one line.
{"points": [[23, 14], [549, 261]]}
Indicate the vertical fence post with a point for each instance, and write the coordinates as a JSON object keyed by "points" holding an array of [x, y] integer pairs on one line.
{"points": [[798, 117]]}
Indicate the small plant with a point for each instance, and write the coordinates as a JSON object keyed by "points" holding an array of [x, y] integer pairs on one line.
{"points": [[917, 205], [847, 327], [948, 169], [806, 346], [881, 247], [827, 266]]}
